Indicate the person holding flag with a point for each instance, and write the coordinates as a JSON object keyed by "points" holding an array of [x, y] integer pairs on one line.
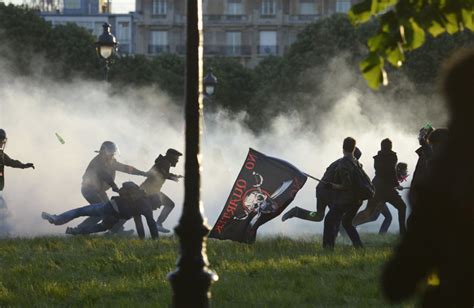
{"points": [[324, 195], [346, 202], [263, 189]]}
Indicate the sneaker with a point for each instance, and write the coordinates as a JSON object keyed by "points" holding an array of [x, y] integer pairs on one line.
{"points": [[317, 216], [161, 229], [72, 231], [50, 218], [290, 214]]}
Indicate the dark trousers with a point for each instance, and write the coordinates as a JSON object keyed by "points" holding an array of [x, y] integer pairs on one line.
{"points": [[103, 211], [165, 202], [381, 209], [168, 206], [321, 205], [93, 196], [383, 195], [336, 214], [100, 210]]}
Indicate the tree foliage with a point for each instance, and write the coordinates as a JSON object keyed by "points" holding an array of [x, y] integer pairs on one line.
{"points": [[287, 84], [404, 26]]}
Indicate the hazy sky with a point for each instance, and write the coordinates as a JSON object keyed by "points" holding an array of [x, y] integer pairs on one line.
{"points": [[118, 6]]}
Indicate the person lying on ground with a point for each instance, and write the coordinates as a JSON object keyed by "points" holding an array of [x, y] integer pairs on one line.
{"points": [[131, 202]]}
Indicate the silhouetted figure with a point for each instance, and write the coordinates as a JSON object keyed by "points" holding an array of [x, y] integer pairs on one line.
{"points": [[131, 202], [324, 195], [386, 183], [439, 236], [158, 174], [100, 177], [5, 160], [381, 208], [345, 203], [424, 155]]}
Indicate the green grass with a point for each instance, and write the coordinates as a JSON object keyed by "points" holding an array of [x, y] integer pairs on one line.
{"points": [[109, 271]]}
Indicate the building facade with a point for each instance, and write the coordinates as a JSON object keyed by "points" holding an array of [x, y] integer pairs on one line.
{"points": [[248, 30], [121, 26]]}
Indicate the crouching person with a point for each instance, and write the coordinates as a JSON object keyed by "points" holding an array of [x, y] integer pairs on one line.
{"points": [[131, 202]]}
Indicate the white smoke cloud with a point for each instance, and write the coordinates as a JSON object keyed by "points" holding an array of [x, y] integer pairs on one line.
{"points": [[144, 123]]}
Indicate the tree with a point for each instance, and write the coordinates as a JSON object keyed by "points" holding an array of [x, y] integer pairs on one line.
{"points": [[403, 26], [72, 49], [22, 36], [166, 71], [236, 83]]}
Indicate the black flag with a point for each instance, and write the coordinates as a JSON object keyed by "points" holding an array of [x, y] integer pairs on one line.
{"points": [[264, 188]]}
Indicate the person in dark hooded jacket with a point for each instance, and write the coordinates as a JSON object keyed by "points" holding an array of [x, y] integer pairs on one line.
{"points": [[324, 195], [382, 208], [6, 161], [424, 153], [345, 201], [386, 183]]}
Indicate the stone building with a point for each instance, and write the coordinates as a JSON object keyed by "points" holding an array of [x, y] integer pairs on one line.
{"points": [[248, 30]]}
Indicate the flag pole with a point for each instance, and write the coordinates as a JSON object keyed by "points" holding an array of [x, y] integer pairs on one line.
{"points": [[314, 178]]}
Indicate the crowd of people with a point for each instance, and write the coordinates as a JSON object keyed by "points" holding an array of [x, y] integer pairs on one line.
{"points": [[338, 190], [435, 239], [339, 187], [104, 213]]}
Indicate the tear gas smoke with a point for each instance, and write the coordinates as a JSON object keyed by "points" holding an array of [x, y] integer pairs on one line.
{"points": [[144, 124]]}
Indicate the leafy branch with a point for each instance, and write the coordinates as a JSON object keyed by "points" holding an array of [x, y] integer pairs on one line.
{"points": [[403, 26]]}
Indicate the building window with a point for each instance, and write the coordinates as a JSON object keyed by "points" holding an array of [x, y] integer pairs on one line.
{"points": [[234, 7], [158, 42], [307, 7], [159, 7], [123, 32], [268, 7], [343, 6], [72, 4], [268, 43], [233, 42]]}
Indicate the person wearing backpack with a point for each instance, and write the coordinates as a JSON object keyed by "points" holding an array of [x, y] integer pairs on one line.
{"points": [[100, 177], [131, 202], [323, 195], [386, 185], [346, 201]]}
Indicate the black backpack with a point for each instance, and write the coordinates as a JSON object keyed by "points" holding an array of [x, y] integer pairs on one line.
{"points": [[363, 186], [131, 192]]}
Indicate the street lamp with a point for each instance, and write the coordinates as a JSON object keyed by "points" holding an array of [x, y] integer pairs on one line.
{"points": [[192, 278], [106, 46], [209, 83]]}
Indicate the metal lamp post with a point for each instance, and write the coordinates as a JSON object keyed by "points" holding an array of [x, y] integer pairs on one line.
{"points": [[106, 46], [192, 278]]}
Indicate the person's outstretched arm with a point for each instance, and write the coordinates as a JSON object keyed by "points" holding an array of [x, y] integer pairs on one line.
{"points": [[16, 163], [128, 169]]}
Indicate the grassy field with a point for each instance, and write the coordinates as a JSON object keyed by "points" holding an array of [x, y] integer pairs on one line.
{"points": [[110, 271]]}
